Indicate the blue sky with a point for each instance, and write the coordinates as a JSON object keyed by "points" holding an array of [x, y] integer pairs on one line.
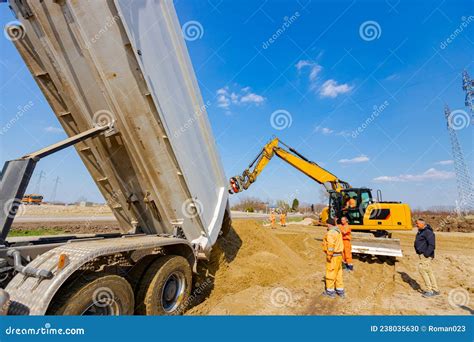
{"points": [[327, 67]]}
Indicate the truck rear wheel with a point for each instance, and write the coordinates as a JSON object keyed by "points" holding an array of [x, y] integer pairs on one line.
{"points": [[165, 287], [108, 295]]}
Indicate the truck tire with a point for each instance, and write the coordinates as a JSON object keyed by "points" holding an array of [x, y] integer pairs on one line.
{"points": [[103, 295], [165, 287]]}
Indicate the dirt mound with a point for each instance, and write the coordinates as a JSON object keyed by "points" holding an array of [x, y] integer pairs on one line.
{"points": [[447, 222], [246, 267], [261, 271]]}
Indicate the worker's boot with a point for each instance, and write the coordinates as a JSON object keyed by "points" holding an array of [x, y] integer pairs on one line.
{"points": [[329, 293], [344, 265], [350, 267], [341, 293]]}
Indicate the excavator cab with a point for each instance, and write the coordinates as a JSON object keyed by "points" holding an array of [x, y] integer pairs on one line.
{"points": [[352, 203]]}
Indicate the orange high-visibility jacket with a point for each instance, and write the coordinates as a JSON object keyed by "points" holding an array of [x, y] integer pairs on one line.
{"points": [[351, 203], [346, 232], [332, 242]]}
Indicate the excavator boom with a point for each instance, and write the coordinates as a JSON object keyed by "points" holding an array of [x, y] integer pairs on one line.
{"points": [[292, 157]]}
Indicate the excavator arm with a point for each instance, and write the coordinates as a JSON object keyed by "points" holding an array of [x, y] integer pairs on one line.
{"points": [[292, 157]]}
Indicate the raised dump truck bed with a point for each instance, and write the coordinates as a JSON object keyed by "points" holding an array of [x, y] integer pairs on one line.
{"points": [[119, 79], [126, 62]]}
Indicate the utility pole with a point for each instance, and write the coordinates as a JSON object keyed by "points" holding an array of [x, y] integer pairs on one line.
{"points": [[55, 189], [465, 199], [41, 176]]}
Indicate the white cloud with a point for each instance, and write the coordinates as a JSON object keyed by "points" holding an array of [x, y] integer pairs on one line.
{"points": [[360, 159], [445, 162], [314, 71], [225, 97], [51, 129], [252, 98], [323, 130], [222, 91], [332, 89], [303, 63], [430, 174]]}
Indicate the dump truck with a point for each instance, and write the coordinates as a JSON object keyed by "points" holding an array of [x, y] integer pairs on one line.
{"points": [[119, 79]]}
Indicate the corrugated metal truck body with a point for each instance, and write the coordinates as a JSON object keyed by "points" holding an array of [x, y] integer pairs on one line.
{"points": [[126, 61]]}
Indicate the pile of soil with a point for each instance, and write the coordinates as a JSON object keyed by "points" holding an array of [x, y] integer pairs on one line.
{"points": [[450, 223], [261, 271], [246, 267]]}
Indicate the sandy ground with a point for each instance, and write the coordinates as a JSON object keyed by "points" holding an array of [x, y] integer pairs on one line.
{"points": [[260, 271], [256, 270]]}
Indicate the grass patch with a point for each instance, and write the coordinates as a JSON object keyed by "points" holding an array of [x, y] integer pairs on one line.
{"points": [[294, 219], [35, 232]]}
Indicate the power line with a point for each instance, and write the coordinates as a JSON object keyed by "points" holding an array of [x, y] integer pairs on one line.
{"points": [[41, 176]]}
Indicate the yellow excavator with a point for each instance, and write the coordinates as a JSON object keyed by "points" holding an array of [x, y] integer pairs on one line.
{"points": [[365, 214]]}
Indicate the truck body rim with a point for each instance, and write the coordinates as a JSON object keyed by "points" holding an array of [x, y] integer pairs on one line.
{"points": [[173, 291]]}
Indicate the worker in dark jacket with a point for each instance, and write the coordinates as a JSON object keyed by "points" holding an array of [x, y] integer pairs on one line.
{"points": [[425, 243]]}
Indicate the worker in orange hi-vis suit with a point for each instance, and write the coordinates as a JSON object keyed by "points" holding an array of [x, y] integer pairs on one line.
{"points": [[333, 247], [346, 240], [283, 219], [272, 219]]}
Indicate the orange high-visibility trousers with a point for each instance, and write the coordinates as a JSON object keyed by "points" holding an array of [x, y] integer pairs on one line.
{"points": [[334, 274], [347, 253]]}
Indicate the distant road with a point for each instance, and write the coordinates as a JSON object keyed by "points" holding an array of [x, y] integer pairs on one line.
{"points": [[32, 219]]}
